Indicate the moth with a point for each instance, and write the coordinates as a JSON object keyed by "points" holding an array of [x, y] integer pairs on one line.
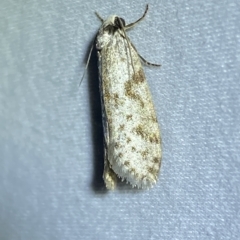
{"points": [[132, 142]]}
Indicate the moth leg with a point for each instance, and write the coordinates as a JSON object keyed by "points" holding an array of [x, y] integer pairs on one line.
{"points": [[142, 58]]}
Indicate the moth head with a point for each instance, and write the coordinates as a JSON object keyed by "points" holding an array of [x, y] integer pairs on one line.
{"points": [[114, 23]]}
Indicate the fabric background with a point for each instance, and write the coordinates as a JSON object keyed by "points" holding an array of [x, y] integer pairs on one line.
{"points": [[51, 149]]}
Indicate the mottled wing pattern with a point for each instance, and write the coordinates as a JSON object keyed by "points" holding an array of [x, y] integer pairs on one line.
{"points": [[132, 136]]}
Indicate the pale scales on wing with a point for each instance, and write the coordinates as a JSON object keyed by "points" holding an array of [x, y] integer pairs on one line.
{"points": [[131, 130]]}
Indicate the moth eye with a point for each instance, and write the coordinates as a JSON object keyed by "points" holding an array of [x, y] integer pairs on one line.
{"points": [[123, 21], [119, 22]]}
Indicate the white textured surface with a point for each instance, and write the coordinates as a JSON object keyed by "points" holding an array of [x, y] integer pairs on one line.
{"points": [[51, 149]]}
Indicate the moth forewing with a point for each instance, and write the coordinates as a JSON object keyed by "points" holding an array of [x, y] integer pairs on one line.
{"points": [[131, 130]]}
